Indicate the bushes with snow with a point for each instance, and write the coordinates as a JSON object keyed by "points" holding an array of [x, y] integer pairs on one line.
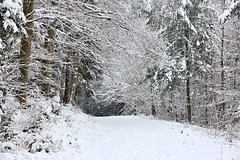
{"points": [[25, 126]]}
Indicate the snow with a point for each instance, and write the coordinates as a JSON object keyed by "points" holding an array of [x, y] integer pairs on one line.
{"points": [[222, 18], [10, 23], [186, 2], [14, 11], [14, 5], [155, 76], [148, 5], [169, 75], [182, 12], [198, 43], [183, 65], [80, 136]]}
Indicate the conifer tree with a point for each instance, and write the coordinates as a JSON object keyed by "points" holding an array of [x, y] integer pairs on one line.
{"points": [[11, 28], [11, 21], [186, 31]]}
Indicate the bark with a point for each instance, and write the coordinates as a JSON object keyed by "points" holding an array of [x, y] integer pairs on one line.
{"points": [[115, 109], [75, 80], [189, 109], [188, 69], [62, 83], [25, 50], [222, 108], [235, 74], [206, 102], [46, 68], [66, 90], [236, 62], [4, 95], [154, 113]]}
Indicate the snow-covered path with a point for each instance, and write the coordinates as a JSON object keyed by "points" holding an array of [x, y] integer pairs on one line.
{"points": [[128, 138], [136, 138]]}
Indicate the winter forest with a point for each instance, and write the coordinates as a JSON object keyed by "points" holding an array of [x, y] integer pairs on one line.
{"points": [[171, 61]]}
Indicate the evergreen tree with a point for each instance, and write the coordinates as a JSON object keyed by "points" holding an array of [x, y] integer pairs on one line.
{"points": [[11, 28], [11, 21], [188, 45]]}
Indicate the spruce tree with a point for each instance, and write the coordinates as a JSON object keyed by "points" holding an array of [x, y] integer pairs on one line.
{"points": [[11, 21], [185, 29]]}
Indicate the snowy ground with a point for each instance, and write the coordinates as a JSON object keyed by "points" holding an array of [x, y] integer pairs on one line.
{"points": [[82, 137]]}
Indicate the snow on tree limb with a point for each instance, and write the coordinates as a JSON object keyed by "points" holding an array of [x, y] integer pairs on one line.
{"points": [[183, 13], [230, 11], [12, 19]]}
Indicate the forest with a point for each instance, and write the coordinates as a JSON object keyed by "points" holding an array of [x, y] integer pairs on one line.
{"points": [[171, 60]]}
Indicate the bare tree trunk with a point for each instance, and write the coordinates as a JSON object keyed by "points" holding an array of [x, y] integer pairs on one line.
{"points": [[236, 61], [4, 95], [222, 109], [189, 109], [115, 109], [188, 92], [75, 80], [154, 113], [62, 82], [66, 90], [25, 50], [46, 62], [206, 102]]}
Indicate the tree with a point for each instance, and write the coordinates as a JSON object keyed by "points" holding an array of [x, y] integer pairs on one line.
{"points": [[12, 19], [186, 30], [47, 62], [75, 48], [25, 50]]}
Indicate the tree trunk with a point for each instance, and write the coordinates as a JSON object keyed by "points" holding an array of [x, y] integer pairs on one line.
{"points": [[46, 62], [188, 70], [236, 62], [75, 80], [221, 109], [25, 50], [206, 102], [66, 90], [154, 113], [115, 109], [4, 95], [189, 109]]}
